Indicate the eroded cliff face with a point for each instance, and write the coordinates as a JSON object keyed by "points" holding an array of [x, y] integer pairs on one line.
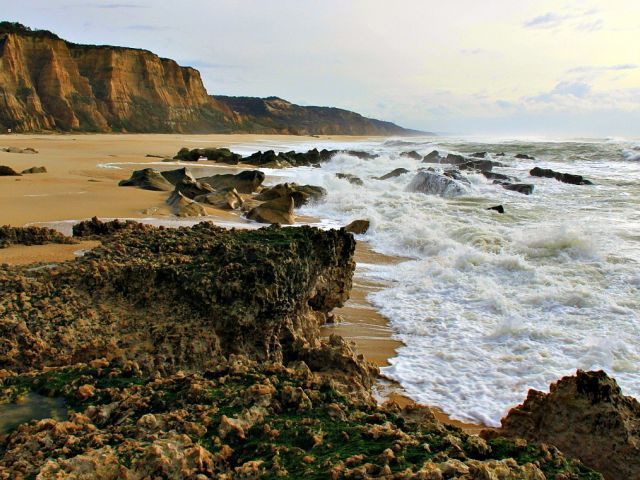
{"points": [[49, 84]]}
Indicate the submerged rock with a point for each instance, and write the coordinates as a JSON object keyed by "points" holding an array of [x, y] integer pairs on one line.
{"points": [[248, 181], [480, 165], [393, 173], [497, 208], [433, 157], [561, 177], [498, 176], [147, 179], [523, 156], [437, 184], [35, 170], [585, 416], [524, 188], [359, 227], [353, 179], [412, 154], [278, 211]]}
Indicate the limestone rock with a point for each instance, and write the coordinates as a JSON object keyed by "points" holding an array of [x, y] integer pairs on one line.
{"points": [[147, 179], [278, 211]]}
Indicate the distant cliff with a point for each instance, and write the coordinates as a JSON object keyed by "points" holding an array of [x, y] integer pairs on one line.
{"points": [[275, 115], [47, 83]]}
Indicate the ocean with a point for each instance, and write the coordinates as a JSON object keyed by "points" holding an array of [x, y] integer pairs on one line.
{"points": [[490, 305]]}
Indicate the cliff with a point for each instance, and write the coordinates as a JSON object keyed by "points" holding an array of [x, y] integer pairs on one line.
{"points": [[275, 115], [47, 83]]}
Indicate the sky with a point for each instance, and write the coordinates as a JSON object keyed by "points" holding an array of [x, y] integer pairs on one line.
{"points": [[495, 67]]}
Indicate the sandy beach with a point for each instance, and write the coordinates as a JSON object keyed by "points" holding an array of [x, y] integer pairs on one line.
{"points": [[78, 186]]}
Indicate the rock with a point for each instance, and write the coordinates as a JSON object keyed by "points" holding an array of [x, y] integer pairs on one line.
{"points": [[412, 154], [270, 159], [454, 159], [35, 170], [301, 194], [497, 208], [359, 227], [523, 156], [585, 416], [524, 188], [393, 173], [433, 157], [501, 154], [27, 150], [8, 172], [561, 177], [31, 236], [219, 155], [360, 154], [95, 228], [248, 181], [147, 179], [183, 206], [350, 178], [437, 184], [228, 199], [479, 155], [497, 176], [192, 188], [278, 211], [480, 165], [174, 176]]}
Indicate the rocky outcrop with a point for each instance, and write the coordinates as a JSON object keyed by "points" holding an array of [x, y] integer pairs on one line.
{"points": [[226, 199], [352, 179], [301, 194], [183, 206], [174, 299], [412, 155], [275, 115], [434, 183], [524, 156], [31, 236], [585, 416], [8, 172], [248, 181], [393, 173], [147, 179], [433, 157], [479, 165], [47, 83], [561, 177], [219, 155], [278, 211], [524, 188]]}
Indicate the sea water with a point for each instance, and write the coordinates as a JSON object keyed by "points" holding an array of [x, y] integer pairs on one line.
{"points": [[491, 305]]}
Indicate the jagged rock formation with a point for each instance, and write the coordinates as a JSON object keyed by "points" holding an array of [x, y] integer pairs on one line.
{"points": [[301, 194], [585, 416], [47, 83], [561, 177], [147, 179], [275, 115]]}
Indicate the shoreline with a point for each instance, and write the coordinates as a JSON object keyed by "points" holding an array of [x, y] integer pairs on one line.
{"points": [[73, 167]]}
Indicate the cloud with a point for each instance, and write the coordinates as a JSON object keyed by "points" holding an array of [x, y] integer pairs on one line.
{"points": [[562, 89], [581, 21], [145, 28], [603, 68]]}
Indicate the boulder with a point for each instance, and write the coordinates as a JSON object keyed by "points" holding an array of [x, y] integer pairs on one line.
{"points": [[437, 184], [585, 416], [361, 155], [271, 159], [192, 188], [147, 179], [524, 188], [350, 178], [454, 159], [480, 165], [35, 170], [248, 181], [561, 177], [497, 176], [219, 155], [174, 176], [393, 173], [523, 156], [497, 208], [433, 157], [301, 194], [278, 211], [8, 172], [359, 227], [227, 199], [412, 154], [479, 155], [185, 207]]}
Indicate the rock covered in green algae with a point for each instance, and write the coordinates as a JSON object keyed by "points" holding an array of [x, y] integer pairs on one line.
{"points": [[178, 298], [247, 419], [31, 236]]}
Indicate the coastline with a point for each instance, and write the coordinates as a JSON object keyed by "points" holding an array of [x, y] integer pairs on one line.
{"points": [[76, 188]]}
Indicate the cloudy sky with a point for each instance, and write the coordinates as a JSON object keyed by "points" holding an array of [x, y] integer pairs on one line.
{"points": [[506, 67]]}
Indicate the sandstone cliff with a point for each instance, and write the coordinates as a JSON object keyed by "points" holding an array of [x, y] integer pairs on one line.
{"points": [[47, 83]]}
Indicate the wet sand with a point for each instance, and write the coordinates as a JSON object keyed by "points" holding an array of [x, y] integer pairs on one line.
{"points": [[76, 187]]}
